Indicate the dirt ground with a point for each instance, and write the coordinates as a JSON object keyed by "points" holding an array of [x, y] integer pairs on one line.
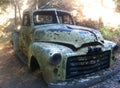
{"points": [[13, 73]]}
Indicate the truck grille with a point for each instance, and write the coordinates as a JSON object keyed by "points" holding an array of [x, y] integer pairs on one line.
{"points": [[82, 65]]}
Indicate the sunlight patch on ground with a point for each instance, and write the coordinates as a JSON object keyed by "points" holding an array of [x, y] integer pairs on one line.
{"points": [[1, 47]]}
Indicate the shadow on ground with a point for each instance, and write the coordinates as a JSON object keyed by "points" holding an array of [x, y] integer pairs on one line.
{"points": [[13, 73]]}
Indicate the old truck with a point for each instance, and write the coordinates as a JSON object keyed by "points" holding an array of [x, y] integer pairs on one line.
{"points": [[49, 41]]}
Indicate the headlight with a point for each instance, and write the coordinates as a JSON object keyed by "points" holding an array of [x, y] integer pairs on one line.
{"points": [[55, 58]]}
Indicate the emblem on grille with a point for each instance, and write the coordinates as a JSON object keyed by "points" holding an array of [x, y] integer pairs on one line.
{"points": [[94, 50]]}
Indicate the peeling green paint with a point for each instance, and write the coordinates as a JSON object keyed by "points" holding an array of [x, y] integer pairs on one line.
{"points": [[45, 40]]}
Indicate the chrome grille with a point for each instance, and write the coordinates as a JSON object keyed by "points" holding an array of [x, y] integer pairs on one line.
{"points": [[81, 65]]}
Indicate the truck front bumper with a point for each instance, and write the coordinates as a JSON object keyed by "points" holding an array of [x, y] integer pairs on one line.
{"points": [[85, 82]]}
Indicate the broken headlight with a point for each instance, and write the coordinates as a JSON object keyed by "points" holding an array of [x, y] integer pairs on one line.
{"points": [[55, 58]]}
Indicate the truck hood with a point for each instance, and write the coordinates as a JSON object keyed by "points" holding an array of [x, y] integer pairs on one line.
{"points": [[67, 34]]}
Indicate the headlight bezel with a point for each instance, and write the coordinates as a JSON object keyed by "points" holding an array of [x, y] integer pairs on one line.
{"points": [[55, 58]]}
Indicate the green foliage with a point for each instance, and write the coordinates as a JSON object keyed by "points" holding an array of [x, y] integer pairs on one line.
{"points": [[89, 23], [3, 4], [110, 33]]}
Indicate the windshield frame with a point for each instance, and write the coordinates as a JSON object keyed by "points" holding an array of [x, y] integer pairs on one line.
{"points": [[56, 16]]}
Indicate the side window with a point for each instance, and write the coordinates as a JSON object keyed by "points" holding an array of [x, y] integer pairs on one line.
{"points": [[26, 20], [67, 19], [60, 19]]}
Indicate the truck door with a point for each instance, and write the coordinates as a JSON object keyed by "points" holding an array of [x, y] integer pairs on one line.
{"points": [[24, 34]]}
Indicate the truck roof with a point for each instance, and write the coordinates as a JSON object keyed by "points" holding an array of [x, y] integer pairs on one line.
{"points": [[49, 9]]}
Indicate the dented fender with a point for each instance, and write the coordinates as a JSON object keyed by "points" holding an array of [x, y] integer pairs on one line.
{"points": [[45, 53], [42, 50]]}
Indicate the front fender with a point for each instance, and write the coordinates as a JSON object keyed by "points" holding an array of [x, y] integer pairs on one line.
{"points": [[39, 52], [43, 51]]}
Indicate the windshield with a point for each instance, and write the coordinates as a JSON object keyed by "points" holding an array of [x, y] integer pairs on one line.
{"points": [[65, 18], [50, 17]]}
